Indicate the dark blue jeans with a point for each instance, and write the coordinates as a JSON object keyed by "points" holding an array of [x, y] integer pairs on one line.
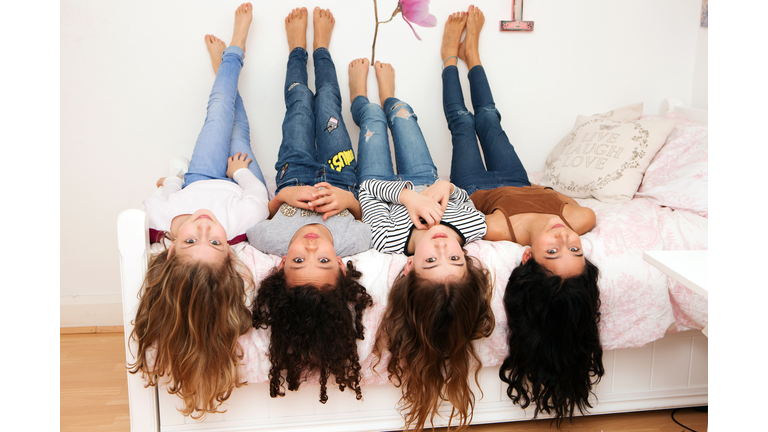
{"points": [[414, 162], [316, 146], [467, 170], [225, 131]]}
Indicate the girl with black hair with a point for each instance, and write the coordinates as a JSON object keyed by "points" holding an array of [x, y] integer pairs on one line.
{"points": [[552, 300]]}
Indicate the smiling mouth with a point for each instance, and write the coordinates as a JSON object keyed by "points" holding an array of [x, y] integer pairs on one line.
{"points": [[439, 235], [204, 217], [557, 226], [311, 236]]}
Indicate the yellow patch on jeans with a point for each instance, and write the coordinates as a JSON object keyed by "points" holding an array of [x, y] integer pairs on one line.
{"points": [[341, 160]]}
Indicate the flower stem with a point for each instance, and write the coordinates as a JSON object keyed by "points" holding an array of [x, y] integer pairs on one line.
{"points": [[376, 32]]}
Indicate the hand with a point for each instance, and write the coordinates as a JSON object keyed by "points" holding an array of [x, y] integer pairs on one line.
{"points": [[236, 162], [330, 200], [298, 196], [160, 182], [440, 191], [421, 207]]}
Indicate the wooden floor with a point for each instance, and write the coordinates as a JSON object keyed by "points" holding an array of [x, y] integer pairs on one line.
{"points": [[94, 396]]}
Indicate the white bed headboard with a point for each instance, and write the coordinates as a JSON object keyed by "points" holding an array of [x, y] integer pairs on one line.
{"points": [[677, 105]]}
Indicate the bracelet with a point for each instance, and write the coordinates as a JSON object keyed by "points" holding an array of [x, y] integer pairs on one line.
{"points": [[457, 60]]}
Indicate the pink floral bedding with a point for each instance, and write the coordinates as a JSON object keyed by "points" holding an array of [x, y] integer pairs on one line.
{"points": [[639, 303]]}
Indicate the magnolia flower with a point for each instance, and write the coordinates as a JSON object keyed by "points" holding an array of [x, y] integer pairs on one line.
{"points": [[414, 11], [417, 12]]}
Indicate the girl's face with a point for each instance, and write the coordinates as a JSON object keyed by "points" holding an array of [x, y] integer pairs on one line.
{"points": [[557, 248], [438, 255], [311, 258], [201, 238]]}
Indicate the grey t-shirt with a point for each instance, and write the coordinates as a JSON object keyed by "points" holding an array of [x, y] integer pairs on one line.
{"points": [[273, 236]]}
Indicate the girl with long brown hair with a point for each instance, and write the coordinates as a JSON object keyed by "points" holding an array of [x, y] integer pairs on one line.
{"points": [[440, 303], [192, 308]]}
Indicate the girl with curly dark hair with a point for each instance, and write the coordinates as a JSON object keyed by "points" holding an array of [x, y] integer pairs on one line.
{"points": [[312, 302], [552, 300]]}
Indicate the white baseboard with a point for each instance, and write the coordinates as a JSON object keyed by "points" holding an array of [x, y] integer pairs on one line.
{"points": [[91, 310]]}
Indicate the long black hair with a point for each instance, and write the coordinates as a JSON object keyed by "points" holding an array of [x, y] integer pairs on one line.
{"points": [[555, 355]]}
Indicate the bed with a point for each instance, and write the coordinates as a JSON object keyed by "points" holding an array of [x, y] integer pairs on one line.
{"points": [[655, 354]]}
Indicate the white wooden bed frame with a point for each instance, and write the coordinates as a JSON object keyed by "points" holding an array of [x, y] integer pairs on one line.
{"points": [[668, 373]]}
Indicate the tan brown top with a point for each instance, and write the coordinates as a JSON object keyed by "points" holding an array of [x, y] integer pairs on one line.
{"points": [[513, 200]]}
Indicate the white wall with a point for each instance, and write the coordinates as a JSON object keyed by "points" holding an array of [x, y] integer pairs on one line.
{"points": [[135, 78]]}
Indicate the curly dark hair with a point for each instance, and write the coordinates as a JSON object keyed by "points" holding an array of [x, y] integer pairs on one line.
{"points": [[188, 321], [429, 328], [555, 355], [313, 330]]}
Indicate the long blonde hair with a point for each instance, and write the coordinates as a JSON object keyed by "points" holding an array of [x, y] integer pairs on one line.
{"points": [[429, 328], [189, 318]]}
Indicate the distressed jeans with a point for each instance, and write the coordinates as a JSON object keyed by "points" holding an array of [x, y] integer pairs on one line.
{"points": [[467, 170], [414, 162], [315, 146], [225, 131]]}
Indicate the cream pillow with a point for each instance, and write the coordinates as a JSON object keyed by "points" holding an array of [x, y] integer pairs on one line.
{"points": [[604, 157], [626, 113]]}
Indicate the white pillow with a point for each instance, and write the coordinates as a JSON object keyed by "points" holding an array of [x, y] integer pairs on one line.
{"points": [[678, 175], [604, 157]]}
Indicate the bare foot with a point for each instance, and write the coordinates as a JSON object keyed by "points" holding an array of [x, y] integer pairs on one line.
{"points": [[358, 78], [296, 28], [385, 76], [475, 21], [243, 18], [454, 27], [216, 49], [322, 21]]}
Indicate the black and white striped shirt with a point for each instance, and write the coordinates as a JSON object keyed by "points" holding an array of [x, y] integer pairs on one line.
{"points": [[391, 225]]}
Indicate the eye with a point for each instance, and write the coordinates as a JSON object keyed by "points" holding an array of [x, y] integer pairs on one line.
{"points": [[552, 251], [430, 260], [454, 258], [324, 260], [298, 260], [215, 242], [574, 249], [190, 241]]}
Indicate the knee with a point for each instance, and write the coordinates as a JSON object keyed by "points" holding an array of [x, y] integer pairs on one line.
{"points": [[488, 113], [298, 90], [401, 110], [461, 118]]}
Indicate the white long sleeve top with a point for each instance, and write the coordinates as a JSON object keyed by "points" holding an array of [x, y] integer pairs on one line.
{"points": [[236, 206]]}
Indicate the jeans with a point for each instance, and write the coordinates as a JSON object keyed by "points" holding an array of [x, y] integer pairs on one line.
{"points": [[467, 169], [225, 131], [411, 153], [315, 146]]}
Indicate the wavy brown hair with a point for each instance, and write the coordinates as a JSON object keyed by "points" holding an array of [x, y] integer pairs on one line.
{"points": [[189, 318], [555, 356], [313, 330], [429, 328]]}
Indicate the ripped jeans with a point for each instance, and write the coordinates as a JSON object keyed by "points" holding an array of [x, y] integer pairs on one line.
{"points": [[315, 146], [414, 162], [467, 170]]}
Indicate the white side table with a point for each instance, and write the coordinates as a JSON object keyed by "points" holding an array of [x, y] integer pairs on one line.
{"points": [[687, 267]]}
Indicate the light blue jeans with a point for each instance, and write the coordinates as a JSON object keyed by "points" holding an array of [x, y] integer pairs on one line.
{"points": [[225, 131], [414, 162]]}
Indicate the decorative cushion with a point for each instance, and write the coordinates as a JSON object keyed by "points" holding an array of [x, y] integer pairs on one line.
{"points": [[604, 157], [678, 175]]}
